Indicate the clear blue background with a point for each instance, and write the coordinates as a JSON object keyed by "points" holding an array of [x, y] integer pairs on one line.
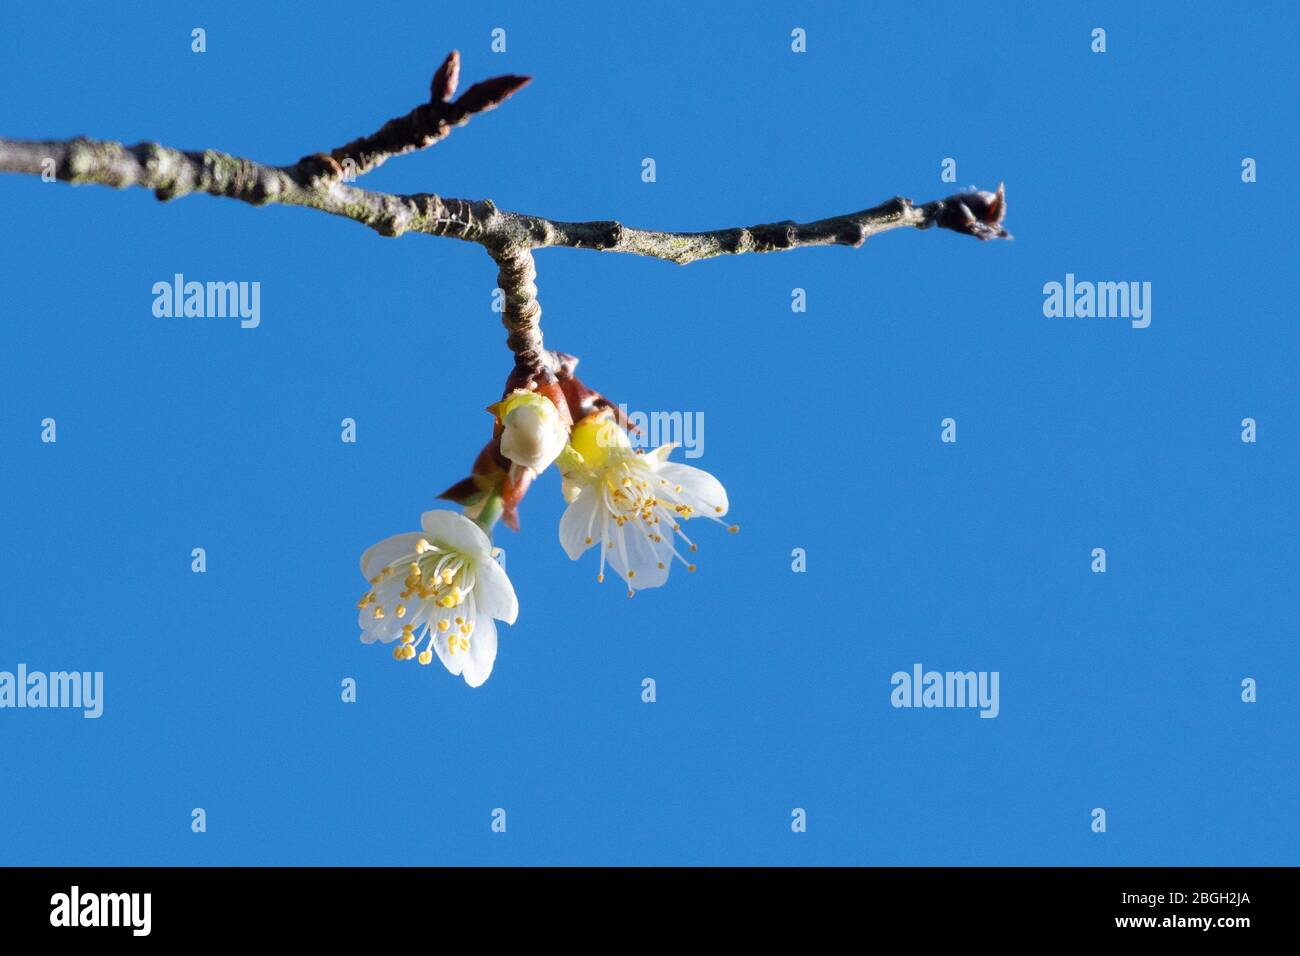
{"points": [[1119, 691]]}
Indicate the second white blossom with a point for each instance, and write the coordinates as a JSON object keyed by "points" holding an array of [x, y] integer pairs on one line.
{"points": [[632, 506]]}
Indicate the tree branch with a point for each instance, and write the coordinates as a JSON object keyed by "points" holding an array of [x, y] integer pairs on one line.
{"points": [[172, 173], [523, 313], [422, 127], [321, 181]]}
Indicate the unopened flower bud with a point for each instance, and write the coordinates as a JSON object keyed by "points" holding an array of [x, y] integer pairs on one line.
{"points": [[534, 434]]}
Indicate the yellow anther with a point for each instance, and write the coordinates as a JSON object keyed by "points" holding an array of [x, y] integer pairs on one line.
{"points": [[415, 569], [695, 547], [426, 657], [448, 577], [718, 509], [422, 546], [448, 601], [401, 611], [379, 613], [631, 575], [631, 593], [600, 578], [661, 564], [734, 528], [690, 567], [443, 624], [399, 653], [588, 541]]}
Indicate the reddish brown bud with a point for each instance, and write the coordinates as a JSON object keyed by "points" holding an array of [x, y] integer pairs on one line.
{"points": [[464, 492], [445, 79], [977, 214], [490, 93]]}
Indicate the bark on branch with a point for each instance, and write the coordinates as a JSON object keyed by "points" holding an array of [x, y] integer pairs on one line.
{"points": [[172, 173], [322, 181]]}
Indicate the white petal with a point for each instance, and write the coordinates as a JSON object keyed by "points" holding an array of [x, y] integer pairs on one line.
{"points": [[417, 612], [494, 595], [389, 627], [571, 487], [533, 436], [386, 629], [577, 524], [482, 652], [660, 454], [381, 555], [699, 489], [634, 551], [453, 662], [455, 531]]}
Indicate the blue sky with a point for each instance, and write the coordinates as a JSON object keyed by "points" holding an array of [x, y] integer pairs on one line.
{"points": [[222, 690]]}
